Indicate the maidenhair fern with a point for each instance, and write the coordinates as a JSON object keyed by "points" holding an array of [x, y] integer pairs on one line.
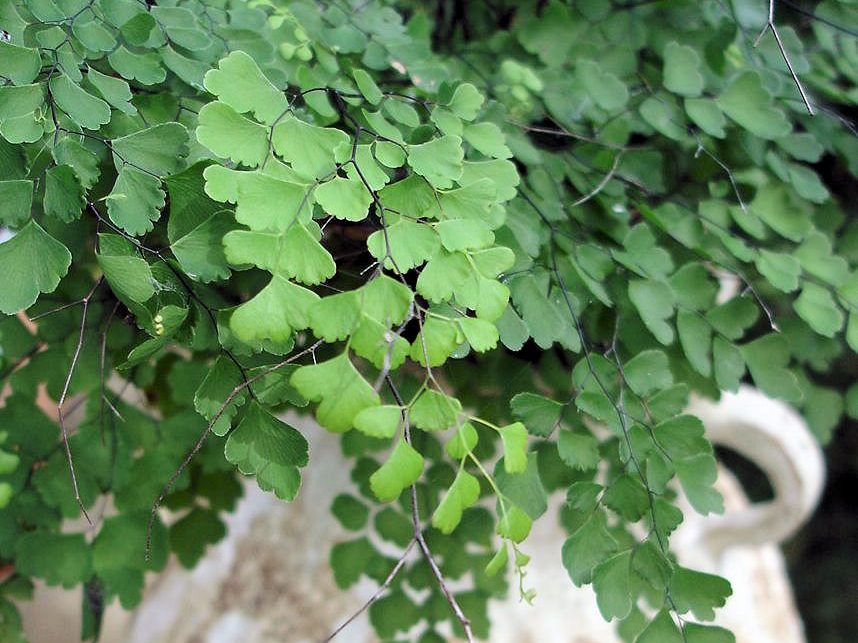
{"points": [[461, 240]]}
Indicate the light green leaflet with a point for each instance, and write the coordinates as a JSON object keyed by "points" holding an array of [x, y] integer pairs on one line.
{"points": [[34, 262]]}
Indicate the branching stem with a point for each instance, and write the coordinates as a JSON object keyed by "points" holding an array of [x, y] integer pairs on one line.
{"points": [[378, 593], [205, 434], [60, 412], [771, 26]]}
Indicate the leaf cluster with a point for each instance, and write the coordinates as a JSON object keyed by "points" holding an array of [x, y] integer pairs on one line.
{"points": [[465, 240]]}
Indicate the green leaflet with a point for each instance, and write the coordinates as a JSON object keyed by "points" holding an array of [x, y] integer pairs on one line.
{"points": [[514, 438], [143, 67], [607, 90], [239, 83], [578, 450], [697, 476], [340, 389], [379, 421], [214, 391], [263, 202], [230, 135], [434, 411], [463, 442], [682, 70], [156, 150], [706, 114], [84, 163], [181, 26], [661, 629], [545, 314], [274, 313], [64, 196], [466, 102], [335, 317], [344, 198], [774, 206], [515, 524], [191, 534], [83, 108], [310, 150], [364, 168], [60, 559], [698, 593], [367, 86], [767, 359], [297, 254], [114, 90], [366, 316], [463, 493], [401, 112], [782, 270], [393, 613], [405, 245], [816, 306], [662, 113], [20, 101], [187, 69], [587, 547], [17, 199], [695, 337], [350, 512], [748, 103], [697, 633], [33, 262], [435, 342], [654, 301], [488, 139], [127, 273], [524, 488], [612, 584], [21, 65], [815, 256], [733, 317], [136, 200], [402, 469], [272, 450], [439, 161], [480, 334], [94, 35], [116, 554], [138, 28], [539, 414], [464, 234], [348, 560], [648, 372], [196, 226]]}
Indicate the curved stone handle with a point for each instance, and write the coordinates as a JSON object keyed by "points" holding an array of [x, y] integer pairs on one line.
{"points": [[774, 437]]}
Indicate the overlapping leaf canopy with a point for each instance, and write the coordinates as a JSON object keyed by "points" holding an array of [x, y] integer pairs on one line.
{"points": [[463, 238]]}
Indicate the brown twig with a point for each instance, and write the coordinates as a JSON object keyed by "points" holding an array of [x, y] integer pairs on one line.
{"points": [[60, 414], [770, 26], [464, 621], [601, 185], [102, 363], [436, 571], [23, 359], [381, 589], [205, 434]]}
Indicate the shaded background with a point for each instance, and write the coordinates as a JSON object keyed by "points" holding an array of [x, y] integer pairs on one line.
{"points": [[823, 557]]}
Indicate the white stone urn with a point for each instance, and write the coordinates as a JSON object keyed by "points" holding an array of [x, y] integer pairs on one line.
{"points": [[269, 579]]}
